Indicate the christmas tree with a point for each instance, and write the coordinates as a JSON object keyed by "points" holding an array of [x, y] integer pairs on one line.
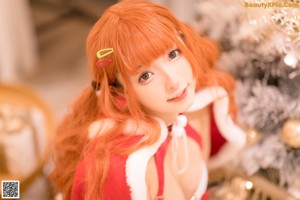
{"points": [[260, 43]]}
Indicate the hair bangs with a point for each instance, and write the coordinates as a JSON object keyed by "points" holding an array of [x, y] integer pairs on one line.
{"points": [[143, 41]]}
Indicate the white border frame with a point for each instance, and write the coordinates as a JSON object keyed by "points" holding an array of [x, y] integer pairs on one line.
{"points": [[2, 182]]}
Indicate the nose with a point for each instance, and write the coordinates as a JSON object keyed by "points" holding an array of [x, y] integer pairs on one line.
{"points": [[173, 84], [171, 80]]}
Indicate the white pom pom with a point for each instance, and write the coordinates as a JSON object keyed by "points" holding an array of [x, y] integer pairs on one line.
{"points": [[181, 120], [178, 127], [177, 131]]}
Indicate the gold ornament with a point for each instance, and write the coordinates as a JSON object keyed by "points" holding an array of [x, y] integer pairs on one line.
{"points": [[252, 136], [235, 188], [287, 19], [13, 119], [291, 133]]}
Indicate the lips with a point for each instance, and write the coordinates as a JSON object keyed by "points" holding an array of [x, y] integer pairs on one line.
{"points": [[179, 96]]}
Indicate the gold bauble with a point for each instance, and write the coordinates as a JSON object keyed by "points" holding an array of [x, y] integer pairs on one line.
{"points": [[291, 133], [252, 136]]}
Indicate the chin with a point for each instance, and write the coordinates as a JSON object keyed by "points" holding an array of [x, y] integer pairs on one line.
{"points": [[189, 101], [191, 96]]}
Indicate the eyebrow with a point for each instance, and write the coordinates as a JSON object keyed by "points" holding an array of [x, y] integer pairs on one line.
{"points": [[138, 67]]}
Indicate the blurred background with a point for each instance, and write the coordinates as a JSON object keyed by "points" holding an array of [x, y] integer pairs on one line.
{"points": [[43, 44], [43, 68]]}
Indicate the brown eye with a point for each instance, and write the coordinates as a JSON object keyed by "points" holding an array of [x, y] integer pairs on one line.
{"points": [[174, 54], [145, 76]]}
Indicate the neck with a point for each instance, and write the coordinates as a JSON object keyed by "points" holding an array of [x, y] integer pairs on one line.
{"points": [[168, 119]]}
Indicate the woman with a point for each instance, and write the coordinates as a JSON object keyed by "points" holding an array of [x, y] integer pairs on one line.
{"points": [[127, 136]]}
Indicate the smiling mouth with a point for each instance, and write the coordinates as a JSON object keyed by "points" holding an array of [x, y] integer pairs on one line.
{"points": [[179, 97]]}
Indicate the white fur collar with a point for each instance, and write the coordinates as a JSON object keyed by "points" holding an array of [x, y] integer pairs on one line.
{"points": [[137, 162], [136, 165], [236, 137]]}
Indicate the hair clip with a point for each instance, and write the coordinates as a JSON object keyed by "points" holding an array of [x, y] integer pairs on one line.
{"points": [[103, 63], [102, 53]]}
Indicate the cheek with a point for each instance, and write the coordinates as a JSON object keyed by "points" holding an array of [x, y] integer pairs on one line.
{"points": [[150, 96], [186, 69]]}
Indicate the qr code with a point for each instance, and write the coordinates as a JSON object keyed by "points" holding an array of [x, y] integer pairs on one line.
{"points": [[10, 189]]}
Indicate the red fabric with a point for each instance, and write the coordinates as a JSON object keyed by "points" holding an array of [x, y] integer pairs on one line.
{"points": [[159, 161], [193, 134], [217, 140], [161, 153], [78, 184], [205, 195], [115, 188]]}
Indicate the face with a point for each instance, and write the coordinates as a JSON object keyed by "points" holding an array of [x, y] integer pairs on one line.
{"points": [[166, 87]]}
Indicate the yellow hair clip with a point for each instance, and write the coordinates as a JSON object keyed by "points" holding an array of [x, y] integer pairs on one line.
{"points": [[102, 53]]}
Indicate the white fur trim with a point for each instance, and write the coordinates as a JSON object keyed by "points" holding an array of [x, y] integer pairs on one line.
{"points": [[202, 185], [136, 166], [235, 136], [206, 96], [138, 127], [100, 126]]}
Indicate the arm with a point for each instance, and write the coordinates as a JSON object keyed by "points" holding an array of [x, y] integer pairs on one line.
{"points": [[234, 136]]}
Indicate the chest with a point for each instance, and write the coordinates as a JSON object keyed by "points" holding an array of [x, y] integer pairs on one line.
{"points": [[165, 174], [200, 120]]}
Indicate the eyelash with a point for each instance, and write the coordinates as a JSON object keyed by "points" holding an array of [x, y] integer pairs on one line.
{"points": [[177, 51], [141, 80]]}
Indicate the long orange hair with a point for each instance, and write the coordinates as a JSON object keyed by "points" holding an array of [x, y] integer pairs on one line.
{"points": [[138, 31]]}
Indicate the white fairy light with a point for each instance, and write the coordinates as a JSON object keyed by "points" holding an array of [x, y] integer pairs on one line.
{"points": [[290, 60], [248, 185], [253, 22]]}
